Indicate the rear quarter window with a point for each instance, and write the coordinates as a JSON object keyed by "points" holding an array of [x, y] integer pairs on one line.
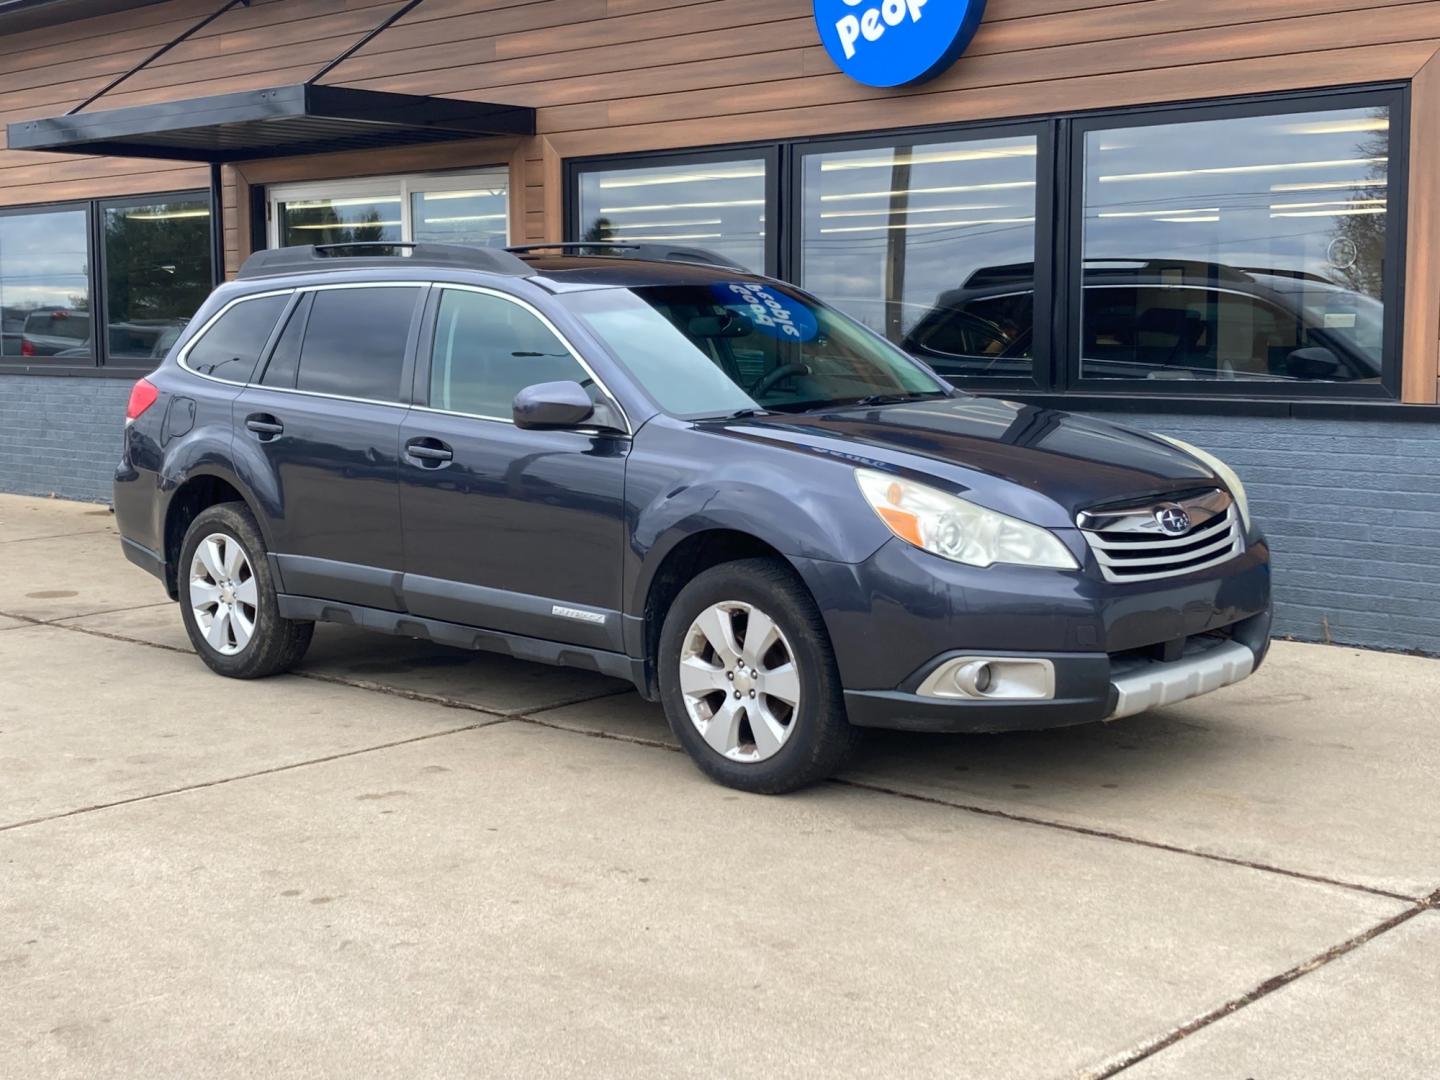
{"points": [[231, 347]]}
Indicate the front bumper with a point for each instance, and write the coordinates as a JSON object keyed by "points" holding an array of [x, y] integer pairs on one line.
{"points": [[903, 614]]}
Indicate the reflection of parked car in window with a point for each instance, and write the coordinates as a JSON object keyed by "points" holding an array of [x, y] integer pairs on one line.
{"points": [[135, 341], [1163, 319], [54, 330]]}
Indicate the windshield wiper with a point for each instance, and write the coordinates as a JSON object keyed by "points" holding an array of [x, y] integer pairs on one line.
{"points": [[895, 399]]}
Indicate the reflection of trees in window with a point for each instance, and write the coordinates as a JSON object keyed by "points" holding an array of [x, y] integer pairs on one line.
{"points": [[1358, 251], [603, 229], [157, 261]]}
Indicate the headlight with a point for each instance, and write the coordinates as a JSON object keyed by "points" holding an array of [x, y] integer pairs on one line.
{"points": [[958, 530], [1232, 481]]}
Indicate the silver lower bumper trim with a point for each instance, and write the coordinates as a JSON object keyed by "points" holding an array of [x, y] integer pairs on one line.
{"points": [[1151, 685]]}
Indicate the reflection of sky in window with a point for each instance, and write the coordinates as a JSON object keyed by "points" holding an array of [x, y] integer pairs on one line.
{"points": [[43, 261], [965, 206], [460, 217], [1265, 193], [719, 206]]}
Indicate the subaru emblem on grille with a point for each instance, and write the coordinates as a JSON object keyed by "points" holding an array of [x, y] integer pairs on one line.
{"points": [[1173, 520]]}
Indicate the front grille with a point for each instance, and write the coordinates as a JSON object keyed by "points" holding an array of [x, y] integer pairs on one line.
{"points": [[1131, 543]]}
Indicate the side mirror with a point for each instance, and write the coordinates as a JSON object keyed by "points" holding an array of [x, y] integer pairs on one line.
{"points": [[1315, 362], [552, 405]]}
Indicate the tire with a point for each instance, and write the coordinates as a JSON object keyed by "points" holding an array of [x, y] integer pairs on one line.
{"points": [[231, 584], [776, 746]]}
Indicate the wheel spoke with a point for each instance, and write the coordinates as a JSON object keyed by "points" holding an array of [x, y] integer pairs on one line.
{"points": [[242, 627], [760, 634], [722, 730], [234, 559], [218, 632], [212, 558], [248, 593], [203, 594], [719, 630], [769, 733], [783, 682], [699, 678]]}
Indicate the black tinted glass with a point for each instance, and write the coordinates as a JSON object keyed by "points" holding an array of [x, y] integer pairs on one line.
{"points": [[932, 244], [355, 342], [285, 357], [231, 348], [1249, 248], [157, 272], [487, 350]]}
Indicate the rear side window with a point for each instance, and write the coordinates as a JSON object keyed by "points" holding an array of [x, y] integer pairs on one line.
{"points": [[355, 342], [231, 348], [285, 357], [487, 350]]}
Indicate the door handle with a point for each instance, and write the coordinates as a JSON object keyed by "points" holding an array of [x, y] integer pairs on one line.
{"points": [[429, 453], [264, 425]]}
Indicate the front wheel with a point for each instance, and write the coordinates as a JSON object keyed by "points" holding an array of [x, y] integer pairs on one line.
{"points": [[228, 601], [749, 682]]}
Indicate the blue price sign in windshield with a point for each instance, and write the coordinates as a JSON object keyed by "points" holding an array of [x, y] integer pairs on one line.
{"points": [[770, 311], [896, 42]]}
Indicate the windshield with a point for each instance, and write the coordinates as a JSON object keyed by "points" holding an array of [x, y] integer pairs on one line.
{"points": [[722, 348]]}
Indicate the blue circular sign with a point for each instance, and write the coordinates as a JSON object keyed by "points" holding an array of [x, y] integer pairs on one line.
{"points": [[896, 42], [770, 311]]}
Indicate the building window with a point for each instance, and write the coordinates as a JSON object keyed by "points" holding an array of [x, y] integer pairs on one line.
{"points": [[45, 308], [714, 202], [1236, 249], [157, 272], [456, 208], [932, 243]]}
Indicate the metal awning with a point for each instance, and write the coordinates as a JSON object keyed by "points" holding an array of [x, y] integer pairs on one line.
{"points": [[281, 121]]}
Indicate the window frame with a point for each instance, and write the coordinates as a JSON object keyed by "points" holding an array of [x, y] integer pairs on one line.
{"points": [[1070, 288], [99, 364], [402, 185], [1059, 212], [772, 153]]}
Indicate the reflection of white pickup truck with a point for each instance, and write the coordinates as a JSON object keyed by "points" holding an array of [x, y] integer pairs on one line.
{"points": [[136, 340], [52, 331]]}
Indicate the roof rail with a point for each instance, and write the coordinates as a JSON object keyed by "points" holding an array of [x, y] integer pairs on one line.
{"points": [[308, 258], [652, 252]]}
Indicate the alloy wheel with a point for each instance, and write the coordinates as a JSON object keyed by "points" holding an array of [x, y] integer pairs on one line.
{"points": [[739, 681], [223, 593]]}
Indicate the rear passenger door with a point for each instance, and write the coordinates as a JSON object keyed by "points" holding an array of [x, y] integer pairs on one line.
{"points": [[322, 427], [514, 530]]}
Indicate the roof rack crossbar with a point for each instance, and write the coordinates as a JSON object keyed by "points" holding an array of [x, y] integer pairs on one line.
{"points": [[654, 252], [309, 257]]}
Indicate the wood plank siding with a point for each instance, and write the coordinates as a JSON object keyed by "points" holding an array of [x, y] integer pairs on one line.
{"points": [[612, 76]]}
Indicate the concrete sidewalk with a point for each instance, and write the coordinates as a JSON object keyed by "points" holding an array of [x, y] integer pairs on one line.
{"points": [[410, 861]]}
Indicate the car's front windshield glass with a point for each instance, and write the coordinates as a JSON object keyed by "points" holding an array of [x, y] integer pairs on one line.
{"points": [[724, 347]]}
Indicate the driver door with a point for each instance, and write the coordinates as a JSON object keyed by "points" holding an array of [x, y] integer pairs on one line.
{"points": [[514, 530]]}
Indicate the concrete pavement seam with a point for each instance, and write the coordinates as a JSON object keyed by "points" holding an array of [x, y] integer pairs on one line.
{"points": [[528, 716], [219, 781], [1264, 989], [1138, 841]]}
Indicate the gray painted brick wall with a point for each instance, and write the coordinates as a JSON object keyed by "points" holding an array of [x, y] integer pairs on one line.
{"points": [[1352, 508]]}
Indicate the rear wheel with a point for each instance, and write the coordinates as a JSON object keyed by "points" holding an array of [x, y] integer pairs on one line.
{"points": [[749, 682], [228, 601]]}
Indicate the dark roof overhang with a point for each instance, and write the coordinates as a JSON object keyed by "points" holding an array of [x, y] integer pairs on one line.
{"points": [[278, 122], [18, 15]]}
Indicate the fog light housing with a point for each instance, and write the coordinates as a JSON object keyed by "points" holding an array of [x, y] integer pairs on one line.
{"points": [[991, 678]]}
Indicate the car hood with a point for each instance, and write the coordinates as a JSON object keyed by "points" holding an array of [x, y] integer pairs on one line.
{"points": [[1016, 458]]}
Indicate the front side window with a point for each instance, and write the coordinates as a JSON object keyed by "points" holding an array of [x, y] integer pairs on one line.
{"points": [[355, 342], [716, 349], [931, 243], [157, 273], [487, 349], [715, 205], [231, 347], [45, 309], [1241, 249]]}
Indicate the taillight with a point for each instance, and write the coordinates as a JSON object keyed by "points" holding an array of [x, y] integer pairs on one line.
{"points": [[142, 395], [26, 348]]}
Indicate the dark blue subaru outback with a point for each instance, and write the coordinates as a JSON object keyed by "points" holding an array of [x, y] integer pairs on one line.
{"points": [[710, 483]]}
